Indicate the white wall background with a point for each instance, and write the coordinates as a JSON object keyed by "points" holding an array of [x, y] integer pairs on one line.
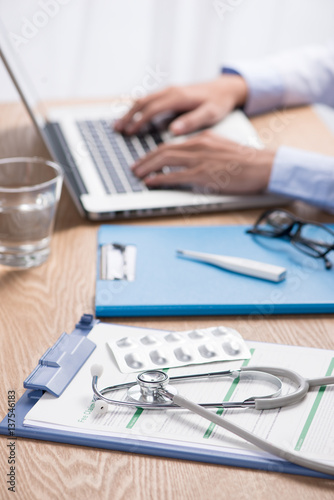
{"points": [[97, 48]]}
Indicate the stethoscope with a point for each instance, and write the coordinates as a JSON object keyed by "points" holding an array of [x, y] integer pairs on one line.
{"points": [[152, 390]]}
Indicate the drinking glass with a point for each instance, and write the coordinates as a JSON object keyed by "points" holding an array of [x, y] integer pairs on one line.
{"points": [[29, 193]]}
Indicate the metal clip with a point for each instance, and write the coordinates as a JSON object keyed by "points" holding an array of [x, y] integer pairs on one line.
{"points": [[118, 262]]}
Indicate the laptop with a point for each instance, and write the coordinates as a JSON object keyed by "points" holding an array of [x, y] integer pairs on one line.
{"points": [[97, 160]]}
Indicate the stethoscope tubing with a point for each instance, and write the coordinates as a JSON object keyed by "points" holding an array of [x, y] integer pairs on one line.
{"points": [[252, 438], [296, 396]]}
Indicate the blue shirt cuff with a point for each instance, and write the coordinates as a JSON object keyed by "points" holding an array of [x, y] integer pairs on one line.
{"points": [[305, 176], [264, 83], [230, 71]]}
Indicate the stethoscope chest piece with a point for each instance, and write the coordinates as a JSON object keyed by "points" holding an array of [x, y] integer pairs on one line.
{"points": [[147, 390]]}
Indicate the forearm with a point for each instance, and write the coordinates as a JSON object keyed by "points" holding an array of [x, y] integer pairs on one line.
{"points": [[305, 176]]}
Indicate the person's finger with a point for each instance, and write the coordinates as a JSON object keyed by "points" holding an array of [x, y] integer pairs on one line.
{"points": [[162, 149], [121, 123], [172, 95], [173, 178], [201, 176], [170, 158], [197, 143], [147, 113], [137, 107], [203, 116]]}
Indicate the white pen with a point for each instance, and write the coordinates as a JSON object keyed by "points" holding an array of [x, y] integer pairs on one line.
{"points": [[239, 265]]}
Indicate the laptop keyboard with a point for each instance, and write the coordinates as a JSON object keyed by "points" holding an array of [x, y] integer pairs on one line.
{"points": [[113, 154]]}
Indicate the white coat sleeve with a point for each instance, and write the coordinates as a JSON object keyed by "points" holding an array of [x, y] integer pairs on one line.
{"points": [[301, 76]]}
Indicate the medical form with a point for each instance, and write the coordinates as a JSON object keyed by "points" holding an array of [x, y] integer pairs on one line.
{"points": [[307, 427]]}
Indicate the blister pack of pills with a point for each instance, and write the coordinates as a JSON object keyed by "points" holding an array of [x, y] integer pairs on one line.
{"points": [[171, 349]]}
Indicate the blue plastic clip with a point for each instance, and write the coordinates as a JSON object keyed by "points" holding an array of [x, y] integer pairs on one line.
{"points": [[58, 366], [86, 322]]}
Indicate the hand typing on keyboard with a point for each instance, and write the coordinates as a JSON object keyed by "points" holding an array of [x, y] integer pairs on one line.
{"points": [[207, 160], [210, 162], [202, 105]]}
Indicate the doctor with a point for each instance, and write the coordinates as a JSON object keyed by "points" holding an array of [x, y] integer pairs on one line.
{"points": [[299, 77]]}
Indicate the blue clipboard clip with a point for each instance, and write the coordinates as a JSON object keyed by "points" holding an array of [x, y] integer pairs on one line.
{"points": [[61, 362]]}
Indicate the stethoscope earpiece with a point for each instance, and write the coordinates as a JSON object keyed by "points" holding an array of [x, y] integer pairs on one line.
{"points": [[101, 407], [96, 370]]}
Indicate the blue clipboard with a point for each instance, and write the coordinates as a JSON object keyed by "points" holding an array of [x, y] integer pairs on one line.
{"points": [[163, 449], [166, 284]]}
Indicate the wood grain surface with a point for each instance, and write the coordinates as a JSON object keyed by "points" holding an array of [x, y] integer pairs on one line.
{"points": [[37, 305]]}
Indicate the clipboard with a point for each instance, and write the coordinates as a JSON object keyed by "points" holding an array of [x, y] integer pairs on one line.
{"points": [[165, 284], [132, 445]]}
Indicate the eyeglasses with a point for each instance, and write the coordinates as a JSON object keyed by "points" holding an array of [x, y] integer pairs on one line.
{"points": [[312, 238]]}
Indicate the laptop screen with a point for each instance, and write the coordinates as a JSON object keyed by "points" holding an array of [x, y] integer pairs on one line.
{"points": [[14, 63]]}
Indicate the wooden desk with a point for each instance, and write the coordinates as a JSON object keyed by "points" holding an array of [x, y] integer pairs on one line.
{"points": [[37, 305]]}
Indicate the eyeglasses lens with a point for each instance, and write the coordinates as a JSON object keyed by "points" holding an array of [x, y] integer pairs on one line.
{"points": [[276, 222], [315, 240]]}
